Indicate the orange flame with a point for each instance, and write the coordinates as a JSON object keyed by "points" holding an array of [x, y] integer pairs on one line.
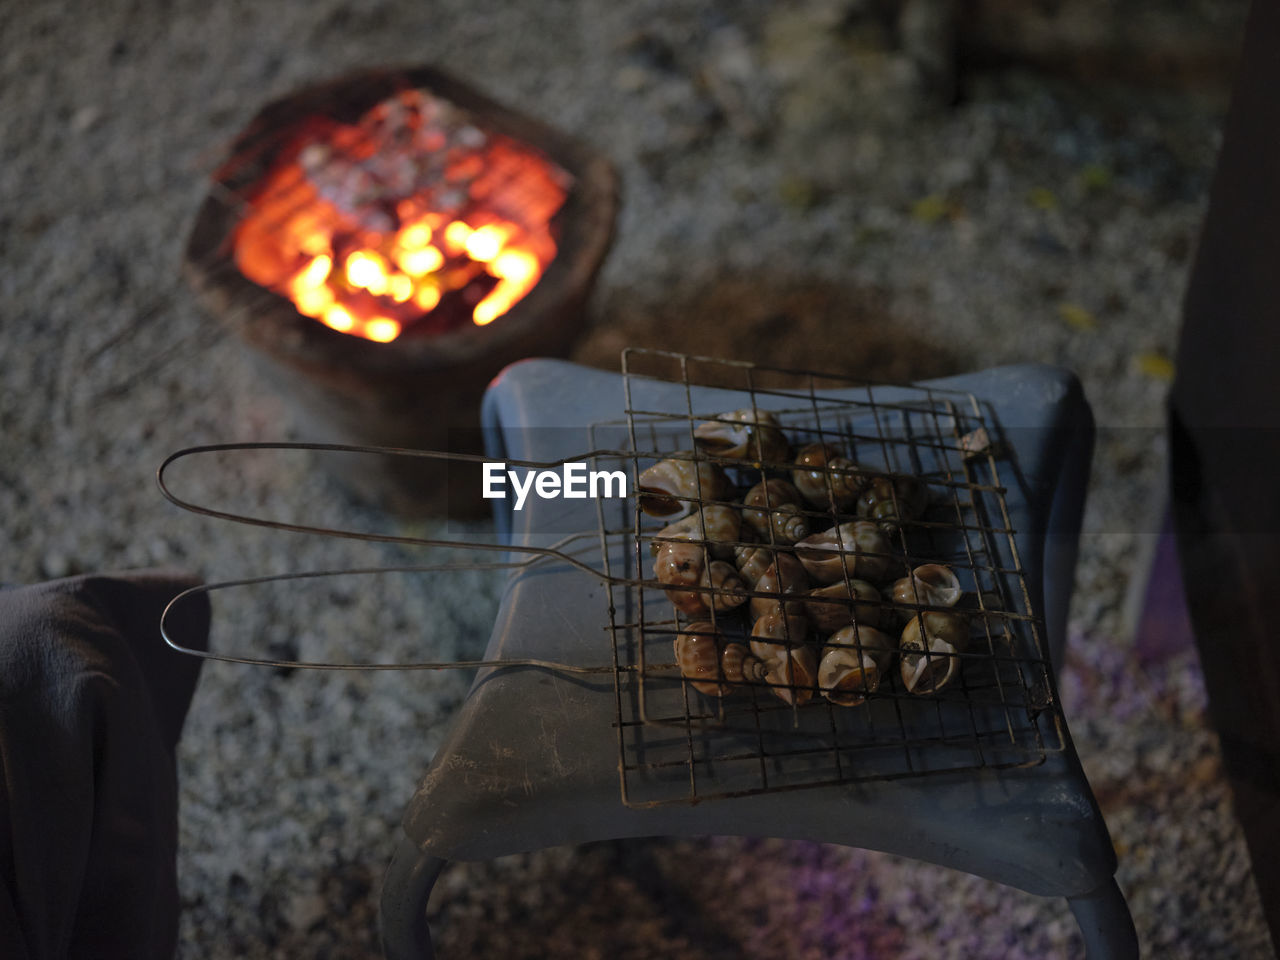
{"points": [[375, 269]]}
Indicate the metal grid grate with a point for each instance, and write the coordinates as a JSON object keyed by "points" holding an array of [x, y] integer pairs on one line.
{"points": [[677, 745]]}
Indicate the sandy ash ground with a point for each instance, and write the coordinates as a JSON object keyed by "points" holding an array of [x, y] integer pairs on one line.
{"points": [[789, 194]]}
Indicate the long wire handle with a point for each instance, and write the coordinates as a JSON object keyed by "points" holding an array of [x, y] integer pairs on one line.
{"points": [[535, 553], [320, 665], [552, 551]]}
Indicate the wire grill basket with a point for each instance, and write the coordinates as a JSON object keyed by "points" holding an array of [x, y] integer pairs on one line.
{"points": [[677, 745]]}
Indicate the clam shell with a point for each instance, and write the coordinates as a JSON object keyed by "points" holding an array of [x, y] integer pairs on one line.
{"points": [[739, 665], [837, 605], [944, 635], [773, 509], [744, 434], [852, 664], [719, 525], [790, 667], [856, 549], [891, 502], [728, 589], [786, 575], [826, 478], [930, 585], [697, 650], [752, 562], [794, 678], [667, 486], [682, 564]]}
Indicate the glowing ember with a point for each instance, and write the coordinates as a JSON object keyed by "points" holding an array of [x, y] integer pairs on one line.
{"points": [[411, 220]]}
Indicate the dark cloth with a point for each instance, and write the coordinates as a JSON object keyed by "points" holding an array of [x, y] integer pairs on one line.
{"points": [[1224, 418], [92, 702]]}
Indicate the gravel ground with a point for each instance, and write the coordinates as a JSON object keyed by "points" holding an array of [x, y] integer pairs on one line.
{"points": [[789, 185]]}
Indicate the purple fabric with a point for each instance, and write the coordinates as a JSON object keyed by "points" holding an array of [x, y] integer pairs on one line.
{"points": [[91, 706]]}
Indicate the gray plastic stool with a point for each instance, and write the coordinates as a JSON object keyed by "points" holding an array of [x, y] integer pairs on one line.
{"points": [[1037, 828]]}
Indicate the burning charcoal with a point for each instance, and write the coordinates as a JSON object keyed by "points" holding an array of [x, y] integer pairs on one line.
{"points": [[417, 188], [472, 138]]}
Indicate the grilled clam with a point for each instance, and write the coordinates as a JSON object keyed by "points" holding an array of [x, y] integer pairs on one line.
{"points": [[719, 525], [773, 509], [790, 668], [943, 635], [840, 604], [852, 664], [825, 478], [680, 565], [666, 486], [728, 589], [743, 435], [785, 575], [753, 561], [857, 549], [739, 665], [697, 649], [930, 584], [893, 501]]}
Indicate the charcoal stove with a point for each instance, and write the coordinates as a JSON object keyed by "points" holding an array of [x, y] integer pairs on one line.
{"points": [[385, 243], [578, 727]]}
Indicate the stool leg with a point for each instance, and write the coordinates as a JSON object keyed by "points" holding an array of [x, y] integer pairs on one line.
{"points": [[402, 912], [1105, 923]]}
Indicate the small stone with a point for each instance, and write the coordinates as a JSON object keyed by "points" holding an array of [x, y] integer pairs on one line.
{"points": [[55, 565], [472, 138], [631, 78], [84, 118], [305, 910]]}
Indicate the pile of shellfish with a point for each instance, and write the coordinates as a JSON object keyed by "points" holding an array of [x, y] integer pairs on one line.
{"points": [[797, 584]]}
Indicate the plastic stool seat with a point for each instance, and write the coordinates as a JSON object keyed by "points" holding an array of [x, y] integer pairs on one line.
{"points": [[555, 778]]}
